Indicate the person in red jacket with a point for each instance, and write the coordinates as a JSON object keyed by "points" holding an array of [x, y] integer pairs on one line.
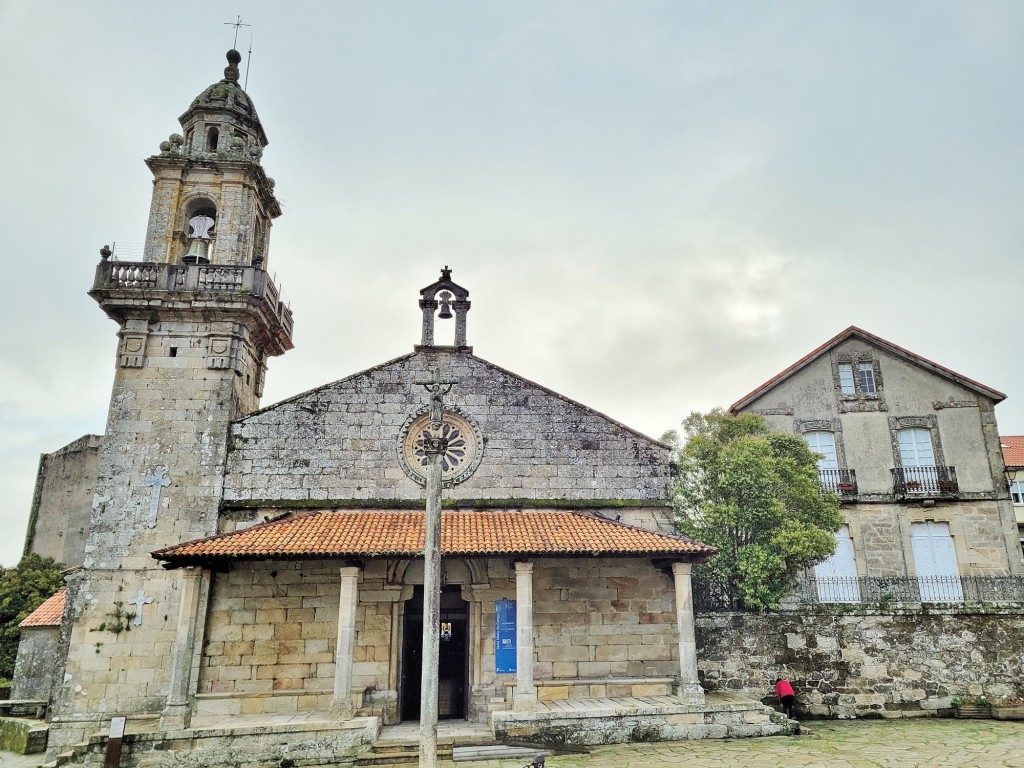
{"points": [[786, 696]]}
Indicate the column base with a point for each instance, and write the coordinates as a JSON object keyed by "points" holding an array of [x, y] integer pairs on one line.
{"points": [[524, 701], [690, 693], [176, 717], [343, 710]]}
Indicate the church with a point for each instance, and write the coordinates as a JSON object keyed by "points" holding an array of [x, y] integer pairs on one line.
{"points": [[251, 584]]}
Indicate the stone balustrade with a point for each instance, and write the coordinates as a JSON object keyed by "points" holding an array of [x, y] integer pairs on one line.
{"points": [[197, 278]]}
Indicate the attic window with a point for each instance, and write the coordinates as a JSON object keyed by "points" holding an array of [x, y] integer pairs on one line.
{"points": [[846, 379], [866, 378], [212, 137], [858, 380]]}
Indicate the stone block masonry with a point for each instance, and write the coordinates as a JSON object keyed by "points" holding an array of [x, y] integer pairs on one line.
{"points": [[341, 441], [847, 662]]}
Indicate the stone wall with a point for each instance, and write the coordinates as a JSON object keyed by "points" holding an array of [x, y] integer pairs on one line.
{"points": [[62, 504], [341, 441], [857, 662], [270, 639], [881, 535], [39, 664], [602, 627], [604, 618]]}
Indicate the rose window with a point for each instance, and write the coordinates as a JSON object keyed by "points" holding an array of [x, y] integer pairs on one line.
{"points": [[460, 458]]}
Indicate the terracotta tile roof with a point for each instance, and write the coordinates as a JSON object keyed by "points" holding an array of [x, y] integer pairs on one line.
{"points": [[1013, 450], [854, 331], [49, 613], [337, 533]]}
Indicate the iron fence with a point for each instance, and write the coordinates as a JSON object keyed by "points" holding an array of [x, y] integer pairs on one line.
{"points": [[711, 596]]}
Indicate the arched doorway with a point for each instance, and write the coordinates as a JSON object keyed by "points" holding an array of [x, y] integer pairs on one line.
{"points": [[453, 661]]}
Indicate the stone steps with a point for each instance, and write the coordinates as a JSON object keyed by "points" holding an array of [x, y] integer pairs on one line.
{"points": [[496, 752], [386, 753]]}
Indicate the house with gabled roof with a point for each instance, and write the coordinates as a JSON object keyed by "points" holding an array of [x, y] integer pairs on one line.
{"points": [[912, 449]]}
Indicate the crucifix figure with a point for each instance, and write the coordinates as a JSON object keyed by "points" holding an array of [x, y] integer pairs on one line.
{"points": [[159, 479], [139, 601], [434, 447], [437, 389]]}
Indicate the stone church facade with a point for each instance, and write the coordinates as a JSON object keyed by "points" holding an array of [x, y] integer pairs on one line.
{"points": [[245, 566]]}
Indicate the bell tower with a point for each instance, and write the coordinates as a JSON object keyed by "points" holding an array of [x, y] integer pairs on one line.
{"points": [[198, 318]]}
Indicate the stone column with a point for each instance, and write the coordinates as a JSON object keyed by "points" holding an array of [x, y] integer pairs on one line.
{"points": [[177, 712], [348, 600], [690, 691], [525, 697], [429, 684]]}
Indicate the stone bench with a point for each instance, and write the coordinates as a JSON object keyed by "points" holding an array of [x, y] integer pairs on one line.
{"points": [[597, 688], [284, 701], [15, 707]]}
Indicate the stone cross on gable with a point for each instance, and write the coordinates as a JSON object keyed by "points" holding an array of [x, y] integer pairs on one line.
{"points": [[139, 601], [159, 479]]}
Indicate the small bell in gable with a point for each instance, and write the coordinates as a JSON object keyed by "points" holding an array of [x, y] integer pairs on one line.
{"points": [[446, 306]]}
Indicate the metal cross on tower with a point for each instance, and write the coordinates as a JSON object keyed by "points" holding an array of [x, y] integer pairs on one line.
{"points": [[237, 24]]}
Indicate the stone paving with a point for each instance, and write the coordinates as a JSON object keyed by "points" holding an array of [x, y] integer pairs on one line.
{"points": [[915, 743], [11, 760], [832, 744]]}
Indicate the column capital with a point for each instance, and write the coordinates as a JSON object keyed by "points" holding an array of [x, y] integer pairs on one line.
{"points": [[681, 569], [524, 567], [352, 571]]}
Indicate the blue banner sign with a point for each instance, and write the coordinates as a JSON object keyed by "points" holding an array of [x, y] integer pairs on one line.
{"points": [[505, 636]]}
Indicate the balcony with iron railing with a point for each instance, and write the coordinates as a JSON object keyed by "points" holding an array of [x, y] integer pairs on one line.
{"points": [[716, 596], [149, 278], [925, 481], [841, 482]]}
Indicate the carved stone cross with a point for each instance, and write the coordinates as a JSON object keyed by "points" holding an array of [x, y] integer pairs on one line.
{"points": [[139, 601], [159, 479]]}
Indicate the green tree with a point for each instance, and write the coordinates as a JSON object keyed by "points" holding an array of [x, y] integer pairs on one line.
{"points": [[22, 590], [754, 494]]}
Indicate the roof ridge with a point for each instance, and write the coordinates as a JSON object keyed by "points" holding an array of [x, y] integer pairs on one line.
{"points": [[893, 348]]}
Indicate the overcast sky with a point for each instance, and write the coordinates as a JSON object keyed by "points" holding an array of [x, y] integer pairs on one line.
{"points": [[655, 206]]}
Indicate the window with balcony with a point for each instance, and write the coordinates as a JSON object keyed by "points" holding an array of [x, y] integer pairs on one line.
{"points": [[935, 562], [825, 438], [920, 469], [836, 578]]}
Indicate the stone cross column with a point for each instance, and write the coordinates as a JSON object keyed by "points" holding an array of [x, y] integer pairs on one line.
{"points": [[348, 601], [690, 691], [525, 696], [177, 712], [435, 446]]}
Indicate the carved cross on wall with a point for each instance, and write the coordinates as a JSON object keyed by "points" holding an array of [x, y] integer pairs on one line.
{"points": [[159, 479], [139, 601]]}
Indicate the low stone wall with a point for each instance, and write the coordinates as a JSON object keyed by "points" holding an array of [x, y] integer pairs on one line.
{"points": [[620, 724], [856, 662], [24, 737], [256, 747], [39, 665]]}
